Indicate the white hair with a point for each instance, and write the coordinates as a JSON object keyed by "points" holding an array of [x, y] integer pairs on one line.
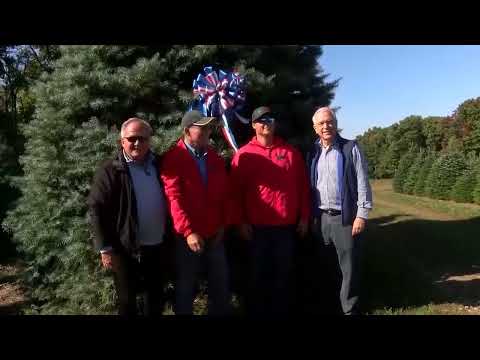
{"points": [[132, 120], [326, 109]]}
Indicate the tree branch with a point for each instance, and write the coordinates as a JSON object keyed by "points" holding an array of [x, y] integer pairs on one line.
{"points": [[42, 65]]}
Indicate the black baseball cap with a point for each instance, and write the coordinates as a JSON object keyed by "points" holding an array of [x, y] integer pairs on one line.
{"points": [[261, 112], [195, 117]]}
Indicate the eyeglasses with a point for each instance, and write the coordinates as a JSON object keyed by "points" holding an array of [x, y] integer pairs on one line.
{"points": [[133, 139], [324, 123]]}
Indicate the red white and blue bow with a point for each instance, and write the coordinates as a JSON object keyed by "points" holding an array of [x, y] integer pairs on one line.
{"points": [[220, 95]]}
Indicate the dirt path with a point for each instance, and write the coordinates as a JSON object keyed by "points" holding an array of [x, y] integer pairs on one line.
{"points": [[12, 295]]}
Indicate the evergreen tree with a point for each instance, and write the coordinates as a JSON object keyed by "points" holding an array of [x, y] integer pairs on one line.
{"points": [[476, 189], [463, 189], [445, 172], [403, 168], [425, 169], [413, 173]]}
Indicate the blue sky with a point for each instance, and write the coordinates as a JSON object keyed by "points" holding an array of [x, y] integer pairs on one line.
{"points": [[382, 84]]}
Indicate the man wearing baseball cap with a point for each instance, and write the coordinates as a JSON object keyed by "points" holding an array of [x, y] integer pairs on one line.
{"points": [[272, 204], [195, 182]]}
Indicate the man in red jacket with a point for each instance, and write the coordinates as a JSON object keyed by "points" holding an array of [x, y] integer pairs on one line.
{"points": [[272, 204], [195, 182]]}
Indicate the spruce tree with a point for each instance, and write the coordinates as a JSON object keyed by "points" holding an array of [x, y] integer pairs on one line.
{"points": [[476, 189], [445, 172], [425, 169], [462, 190], [403, 168], [413, 173]]}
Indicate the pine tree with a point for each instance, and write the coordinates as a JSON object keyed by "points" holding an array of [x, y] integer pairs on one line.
{"points": [[462, 190], [403, 168], [445, 172], [425, 169], [413, 173], [79, 108], [476, 189]]}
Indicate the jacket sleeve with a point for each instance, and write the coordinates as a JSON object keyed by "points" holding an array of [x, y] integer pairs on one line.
{"points": [[99, 207], [236, 194], [303, 187], [364, 202], [171, 179]]}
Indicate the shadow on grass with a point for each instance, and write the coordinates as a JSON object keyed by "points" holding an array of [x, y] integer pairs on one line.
{"points": [[406, 263], [411, 263]]}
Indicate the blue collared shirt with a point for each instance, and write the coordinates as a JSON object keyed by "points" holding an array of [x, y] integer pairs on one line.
{"points": [[330, 179], [200, 159]]}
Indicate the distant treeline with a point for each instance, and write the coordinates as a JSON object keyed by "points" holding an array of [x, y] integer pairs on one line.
{"points": [[436, 157]]}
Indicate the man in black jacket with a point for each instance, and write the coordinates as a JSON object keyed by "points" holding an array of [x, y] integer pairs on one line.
{"points": [[128, 215]]}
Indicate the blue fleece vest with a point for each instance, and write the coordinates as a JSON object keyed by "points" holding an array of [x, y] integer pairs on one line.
{"points": [[348, 191]]}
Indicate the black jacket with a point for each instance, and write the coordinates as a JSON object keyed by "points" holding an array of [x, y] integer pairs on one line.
{"points": [[112, 207]]}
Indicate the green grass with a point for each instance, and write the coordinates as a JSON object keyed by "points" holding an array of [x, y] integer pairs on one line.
{"points": [[406, 253], [421, 310]]}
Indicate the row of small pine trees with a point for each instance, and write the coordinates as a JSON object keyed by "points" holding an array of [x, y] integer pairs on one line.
{"points": [[439, 175]]}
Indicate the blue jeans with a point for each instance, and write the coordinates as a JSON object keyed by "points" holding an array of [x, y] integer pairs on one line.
{"points": [[271, 263], [189, 267]]}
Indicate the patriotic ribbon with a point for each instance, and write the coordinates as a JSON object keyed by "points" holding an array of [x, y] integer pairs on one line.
{"points": [[220, 95]]}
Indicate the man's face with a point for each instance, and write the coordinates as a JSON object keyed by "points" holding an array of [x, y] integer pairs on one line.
{"points": [[198, 136], [324, 125], [136, 140], [264, 128]]}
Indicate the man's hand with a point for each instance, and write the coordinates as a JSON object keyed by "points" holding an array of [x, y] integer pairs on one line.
{"points": [[195, 242], [302, 228], [109, 260], [358, 226], [246, 231]]}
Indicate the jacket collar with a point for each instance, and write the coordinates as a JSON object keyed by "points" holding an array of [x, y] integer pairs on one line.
{"points": [[120, 162], [277, 141]]}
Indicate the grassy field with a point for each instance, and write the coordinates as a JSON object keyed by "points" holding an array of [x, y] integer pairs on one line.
{"points": [[422, 256]]}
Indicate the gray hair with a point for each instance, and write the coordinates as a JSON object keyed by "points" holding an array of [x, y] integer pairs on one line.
{"points": [[132, 120], [326, 109]]}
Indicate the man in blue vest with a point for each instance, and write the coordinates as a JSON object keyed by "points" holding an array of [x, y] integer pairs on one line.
{"points": [[341, 201]]}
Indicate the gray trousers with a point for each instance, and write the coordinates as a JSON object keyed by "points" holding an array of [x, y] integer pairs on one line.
{"points": [[329, 231]]}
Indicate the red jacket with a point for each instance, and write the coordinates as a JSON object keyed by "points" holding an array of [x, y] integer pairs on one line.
{"points": [[194, 207], [270, 185]]}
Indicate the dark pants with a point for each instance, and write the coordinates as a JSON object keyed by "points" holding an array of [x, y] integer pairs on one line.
{"points": [[271, 262], [189, 268], [147, 275], [329, 233]]}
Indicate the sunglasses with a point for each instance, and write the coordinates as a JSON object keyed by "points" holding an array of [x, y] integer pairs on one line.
{"points": [[266, 120], [133, 139]]}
